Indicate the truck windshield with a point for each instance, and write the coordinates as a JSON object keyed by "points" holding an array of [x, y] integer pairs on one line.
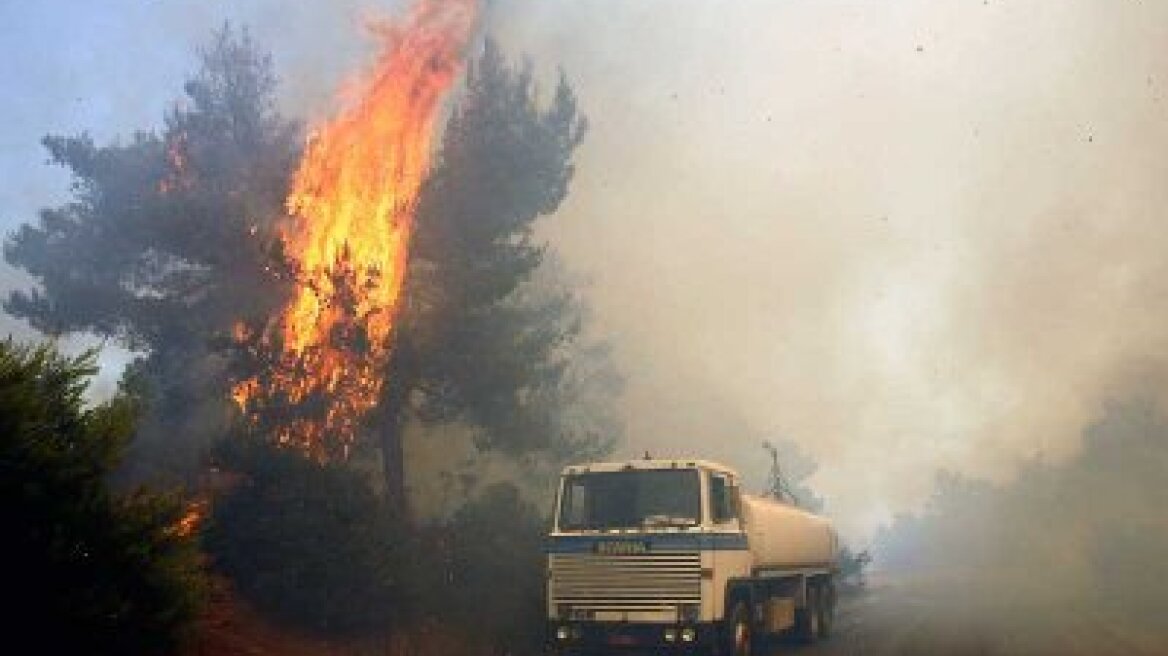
{"points": [[647, 498]]}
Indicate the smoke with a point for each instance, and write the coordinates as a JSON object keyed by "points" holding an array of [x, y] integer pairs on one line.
{"points": [[1066, 544], [908, 237]]}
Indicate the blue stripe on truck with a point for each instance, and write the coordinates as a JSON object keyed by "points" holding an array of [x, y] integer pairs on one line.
{"points": [[654, 542]]}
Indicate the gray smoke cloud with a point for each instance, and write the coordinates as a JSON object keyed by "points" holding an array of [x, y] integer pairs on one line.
{"points": [[906, 236], [903, 235], [1067, 556]]}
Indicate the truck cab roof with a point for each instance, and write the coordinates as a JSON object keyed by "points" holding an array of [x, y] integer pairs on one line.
{"points": [[648, 463]]}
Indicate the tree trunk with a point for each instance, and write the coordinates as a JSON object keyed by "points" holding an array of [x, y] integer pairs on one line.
{"points": [[393, 410], [393, 465]]}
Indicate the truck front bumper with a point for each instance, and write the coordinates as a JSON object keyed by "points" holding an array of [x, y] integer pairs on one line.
{"points": [[570, 638]]}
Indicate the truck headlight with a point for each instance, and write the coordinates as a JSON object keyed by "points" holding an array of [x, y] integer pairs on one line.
{"points": [[688, 635], [670, 635], [562, 633]]}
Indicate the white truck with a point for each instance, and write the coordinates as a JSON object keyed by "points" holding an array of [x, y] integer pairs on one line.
{"points": [[672, 556]]}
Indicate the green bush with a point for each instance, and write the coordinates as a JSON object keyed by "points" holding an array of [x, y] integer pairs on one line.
{"points": [[89, 570], [308, 544]]}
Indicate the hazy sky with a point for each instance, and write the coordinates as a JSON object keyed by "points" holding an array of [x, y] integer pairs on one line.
{"points": [[904, 234]]}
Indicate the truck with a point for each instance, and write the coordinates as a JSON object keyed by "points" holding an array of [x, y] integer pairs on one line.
{"points": [[673, 556]]}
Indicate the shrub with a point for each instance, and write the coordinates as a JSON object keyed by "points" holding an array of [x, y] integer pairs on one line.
{"points": [[90, 570]]}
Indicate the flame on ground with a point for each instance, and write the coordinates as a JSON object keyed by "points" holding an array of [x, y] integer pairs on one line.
{"points": [[351, 209]]}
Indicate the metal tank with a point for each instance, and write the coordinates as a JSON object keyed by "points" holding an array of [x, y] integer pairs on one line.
{"points": [[783, 537]]}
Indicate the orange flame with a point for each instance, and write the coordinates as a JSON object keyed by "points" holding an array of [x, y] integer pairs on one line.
{"points": [[352, 208], [177, 173], [193, 516]]}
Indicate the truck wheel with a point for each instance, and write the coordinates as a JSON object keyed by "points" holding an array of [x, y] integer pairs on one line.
{"points": [[826, 610], [739, 633], [807, 619]]}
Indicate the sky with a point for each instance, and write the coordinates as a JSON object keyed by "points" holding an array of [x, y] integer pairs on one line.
{"points": [[906, 235]]}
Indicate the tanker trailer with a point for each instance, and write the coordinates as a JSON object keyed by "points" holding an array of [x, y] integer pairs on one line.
{"points": [[671, 556]]}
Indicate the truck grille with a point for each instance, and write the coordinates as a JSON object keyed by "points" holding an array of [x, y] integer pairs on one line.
{"points": [[651, 581]]}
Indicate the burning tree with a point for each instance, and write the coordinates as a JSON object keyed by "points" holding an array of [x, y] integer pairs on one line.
{"points": [[337, 293], [351, 208], [412, 300]]}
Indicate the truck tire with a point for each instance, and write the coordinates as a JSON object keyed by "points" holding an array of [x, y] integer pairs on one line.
{"points": [[739, 631], [826, 609], [807, 619]]}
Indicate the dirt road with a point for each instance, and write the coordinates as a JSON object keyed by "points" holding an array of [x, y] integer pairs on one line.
{"points": [[888, 618]]}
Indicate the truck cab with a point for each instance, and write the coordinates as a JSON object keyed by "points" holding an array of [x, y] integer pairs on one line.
{"points": [[657, 554]]}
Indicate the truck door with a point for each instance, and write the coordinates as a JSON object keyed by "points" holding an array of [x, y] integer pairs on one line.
{"points": [[728, 555]]}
